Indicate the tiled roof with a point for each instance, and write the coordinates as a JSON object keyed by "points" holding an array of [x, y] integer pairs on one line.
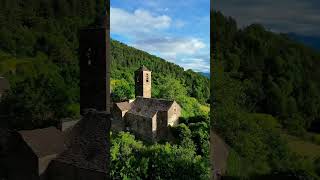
{"points": [[124, 106], [88, 146], [148, 107], [143, 68], [43, 142]]}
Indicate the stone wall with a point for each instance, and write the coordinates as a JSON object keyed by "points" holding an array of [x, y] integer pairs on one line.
{"points": [[173, 114], [147, 84], [162, 125], [143, 84], [139, 125]]}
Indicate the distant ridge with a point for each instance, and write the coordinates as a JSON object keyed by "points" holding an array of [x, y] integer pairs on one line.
{"points": [[205, 74], [311, 41]]}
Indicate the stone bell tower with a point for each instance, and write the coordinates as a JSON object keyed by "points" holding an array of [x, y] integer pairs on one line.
{"points": [[143, 82], [94, 49]]}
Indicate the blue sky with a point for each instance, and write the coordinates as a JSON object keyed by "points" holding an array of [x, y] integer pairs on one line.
{"points": [[178, 31]]}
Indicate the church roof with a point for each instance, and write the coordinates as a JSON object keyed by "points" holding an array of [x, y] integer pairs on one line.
{"points": [[124, 106], [43, 142], [88, 146], [4, 85], [143, 68], [148, 107]]}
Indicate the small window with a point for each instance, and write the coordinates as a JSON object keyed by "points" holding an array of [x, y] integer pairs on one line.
{"points": [[147, 77], [89, 54]]}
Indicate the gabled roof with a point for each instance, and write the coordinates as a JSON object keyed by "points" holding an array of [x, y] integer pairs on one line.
{"points": [[124, 106], [43, 142], [148, 107], [4, 85], [143, 68]]}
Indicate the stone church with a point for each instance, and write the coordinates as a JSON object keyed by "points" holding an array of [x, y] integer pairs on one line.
{"points": [[148, 118]]}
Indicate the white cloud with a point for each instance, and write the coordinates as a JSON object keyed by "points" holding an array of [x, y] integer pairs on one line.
{"points": [[169, 48], [139, 22], [155, 34], [196, 64]]}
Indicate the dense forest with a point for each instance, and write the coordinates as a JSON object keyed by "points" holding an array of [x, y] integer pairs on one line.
{"points": [[39, 56], [266, 96], [38, 50]]}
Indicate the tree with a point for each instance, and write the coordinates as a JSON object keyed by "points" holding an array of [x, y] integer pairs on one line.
{"points": [[121, 90]]}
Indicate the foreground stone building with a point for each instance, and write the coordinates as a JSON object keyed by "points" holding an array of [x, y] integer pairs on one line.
{"points": [[148, 118], [80, 149]]}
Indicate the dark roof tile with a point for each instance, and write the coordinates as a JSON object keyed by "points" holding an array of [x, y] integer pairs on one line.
{"points": [[148, 107]]}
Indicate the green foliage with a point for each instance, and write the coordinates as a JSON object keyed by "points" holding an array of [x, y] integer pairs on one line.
{"points": [[125, 60], [130, 158], [37, 97], [121, 90], [279, 76], [38, 53], [264, 83], [170, 88]]}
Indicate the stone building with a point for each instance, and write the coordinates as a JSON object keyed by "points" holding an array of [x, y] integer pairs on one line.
{"points": [[143, 82], [27, 154], [146, 117]]}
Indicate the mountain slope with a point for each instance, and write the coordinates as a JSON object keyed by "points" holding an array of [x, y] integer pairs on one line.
{"points": [[125, 60], [264, 84]]}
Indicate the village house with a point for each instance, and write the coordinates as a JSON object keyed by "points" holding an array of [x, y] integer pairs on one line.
{"points": [[148, 118]]}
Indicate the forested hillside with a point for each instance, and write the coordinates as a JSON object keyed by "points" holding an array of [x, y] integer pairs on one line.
{"points": [[38, 54], [265, 86], [125, 60]]}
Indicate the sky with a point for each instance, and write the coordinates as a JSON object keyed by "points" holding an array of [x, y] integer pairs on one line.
{"points": [[175, 30], [287, 16]]}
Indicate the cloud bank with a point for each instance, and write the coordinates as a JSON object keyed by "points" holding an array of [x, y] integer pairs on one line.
{"points": [[157, 32], [297, 16]]}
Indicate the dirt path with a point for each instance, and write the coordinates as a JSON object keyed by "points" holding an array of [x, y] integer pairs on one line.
{"points": [[219, 152]]}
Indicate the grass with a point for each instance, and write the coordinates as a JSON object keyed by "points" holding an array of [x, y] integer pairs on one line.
{"points": [[303, 147]]}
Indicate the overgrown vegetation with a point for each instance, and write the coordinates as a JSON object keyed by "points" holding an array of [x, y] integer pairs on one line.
{"points": [[38, 44], [186, 158], [265, 85]]}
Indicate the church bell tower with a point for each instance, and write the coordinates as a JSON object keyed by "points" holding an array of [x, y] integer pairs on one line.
{"points": [[94, 49], [143, 82]]}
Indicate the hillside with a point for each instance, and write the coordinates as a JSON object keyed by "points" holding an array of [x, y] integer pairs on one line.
{"points": [[125, 60], [265, 84]]}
